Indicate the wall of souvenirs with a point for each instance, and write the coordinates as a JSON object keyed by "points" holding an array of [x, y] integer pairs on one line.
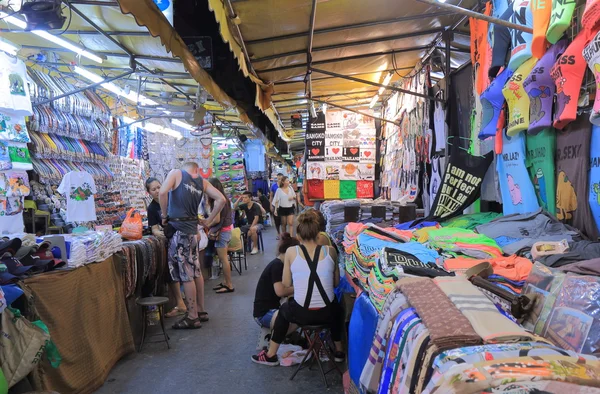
{"points": [[229, 168]]}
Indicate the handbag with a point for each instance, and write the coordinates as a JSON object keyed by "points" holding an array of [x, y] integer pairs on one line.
{"points": [[132, 227], [203, 242], [22, 345]]}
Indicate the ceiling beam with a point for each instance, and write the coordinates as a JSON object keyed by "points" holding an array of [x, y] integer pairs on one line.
{"points": [[87, 32], [349, 27], [354, 74], [343, 59], [350, 44], [327, 95]]}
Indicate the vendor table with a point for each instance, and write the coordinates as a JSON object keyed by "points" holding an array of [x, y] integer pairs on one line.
{"points": [[85, 311]]}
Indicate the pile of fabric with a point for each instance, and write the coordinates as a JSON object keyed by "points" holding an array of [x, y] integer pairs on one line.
{"points": [[144, 263], [334, 211], [92, 247]]}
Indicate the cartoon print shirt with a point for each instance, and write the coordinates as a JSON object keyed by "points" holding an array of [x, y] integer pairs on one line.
{"points": [[540, 162], [521, 41], [11, 215], [591, 54], [595, 176], [572, 169], [492, 101], [79, 188], [518, 194], [540, 88], [14, 91], [517, 99]]}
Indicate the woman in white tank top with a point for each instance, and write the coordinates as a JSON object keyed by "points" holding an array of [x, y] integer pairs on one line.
{"points": [[313, 271]]}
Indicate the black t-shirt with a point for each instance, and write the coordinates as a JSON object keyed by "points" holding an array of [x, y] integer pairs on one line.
{"points": [[251, 213], [154, 214], [265, 297], [264, 201]]}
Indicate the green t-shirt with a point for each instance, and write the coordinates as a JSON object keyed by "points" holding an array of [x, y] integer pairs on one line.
{"points": [[471, 221], [347, 190], [540, 162]]}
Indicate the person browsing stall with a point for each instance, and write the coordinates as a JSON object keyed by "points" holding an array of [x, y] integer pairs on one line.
{"points": [[285, 201], [270, 289], [180, 197], [254, 213], [276, 219], [155, 224], [312, 270]]}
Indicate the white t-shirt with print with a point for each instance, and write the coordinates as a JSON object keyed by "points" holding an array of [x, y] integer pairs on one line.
{"points": [[79, 188], [11, 215], [14, 91], [441, 129]]}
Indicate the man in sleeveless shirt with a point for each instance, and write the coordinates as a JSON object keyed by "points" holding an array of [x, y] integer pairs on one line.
{"points": [[180, 197]]}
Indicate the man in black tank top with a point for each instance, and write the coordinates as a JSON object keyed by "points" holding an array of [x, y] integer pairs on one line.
{"points": [[180, 197]]}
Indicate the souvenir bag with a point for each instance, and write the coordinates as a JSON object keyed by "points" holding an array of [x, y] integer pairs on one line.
{"points": [[132, 227]]}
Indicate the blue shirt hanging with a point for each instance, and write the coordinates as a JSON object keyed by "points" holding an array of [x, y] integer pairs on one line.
{"points": [[595, 175]]}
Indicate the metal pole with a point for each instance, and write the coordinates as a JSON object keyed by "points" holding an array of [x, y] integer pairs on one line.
{"points": [[348, 27], [355, 111], [477, 15], [377, 84], [391, 70], [327, 95], [125, 74], [87, 32], [134, 122]]}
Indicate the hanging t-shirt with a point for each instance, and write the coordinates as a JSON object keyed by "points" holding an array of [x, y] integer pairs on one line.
{"points": [[568, 75], [518, 194], [540, 161], [13, 128], [521, 41], [560, 19], [11, 215], [541, 10], [436, 179], [19, 156], [491, 102], [572, 169], [5, 163], [591, 54], [79, 188], [254, 155], [501, 44], [14, 91], [517, 100], [540, 88], [440, 126], [595, 175]]}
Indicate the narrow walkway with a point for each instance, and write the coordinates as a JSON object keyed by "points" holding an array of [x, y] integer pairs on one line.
{"points": [[216, 358]]}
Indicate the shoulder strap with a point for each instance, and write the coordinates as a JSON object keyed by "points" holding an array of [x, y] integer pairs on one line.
{"points": [[314, 277]]}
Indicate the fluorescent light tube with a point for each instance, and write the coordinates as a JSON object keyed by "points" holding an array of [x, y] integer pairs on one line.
{"points": [[8, 48], [374, 101], [181, 124]]}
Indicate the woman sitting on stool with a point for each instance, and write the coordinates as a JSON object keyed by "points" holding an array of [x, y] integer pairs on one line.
{"points": [[314, 273], [270, 289]]}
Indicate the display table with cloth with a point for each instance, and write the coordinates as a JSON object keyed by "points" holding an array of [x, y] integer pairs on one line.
{"points": [[85, 312]]}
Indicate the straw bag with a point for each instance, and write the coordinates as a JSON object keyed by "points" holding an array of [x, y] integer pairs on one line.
{"points": [[22, 345], [132, 227]]}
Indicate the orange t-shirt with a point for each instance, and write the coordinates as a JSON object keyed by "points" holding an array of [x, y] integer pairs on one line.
{"points": [[481, 51], [541, 10], [512, 267]]}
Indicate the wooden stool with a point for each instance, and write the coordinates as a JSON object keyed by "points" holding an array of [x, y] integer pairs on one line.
{"points": [[158, 302]]}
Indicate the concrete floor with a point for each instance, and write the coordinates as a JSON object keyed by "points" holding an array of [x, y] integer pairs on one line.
{"points": [[216, 358]]}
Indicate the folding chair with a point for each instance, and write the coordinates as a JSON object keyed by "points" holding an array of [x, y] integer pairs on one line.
{"points": [[237, 251]]}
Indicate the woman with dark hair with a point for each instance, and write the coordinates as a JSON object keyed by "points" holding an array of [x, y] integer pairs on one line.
{"points": [[270, 289], [313, 271], [220, 232], [285, 201], [155, 223]]}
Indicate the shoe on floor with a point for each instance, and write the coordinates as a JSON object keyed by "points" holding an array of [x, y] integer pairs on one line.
{"points": [[254, 251], [339, 357], [262, 358]]}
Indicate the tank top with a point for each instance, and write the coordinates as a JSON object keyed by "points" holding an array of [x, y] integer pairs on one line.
{"points": [[301, 278], [184, 201]]}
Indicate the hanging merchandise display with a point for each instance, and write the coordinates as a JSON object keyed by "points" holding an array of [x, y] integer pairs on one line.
{"points": [[591, 54], [594, 181], [540, 162], [79, 188], [229, 169], [517, 100]]}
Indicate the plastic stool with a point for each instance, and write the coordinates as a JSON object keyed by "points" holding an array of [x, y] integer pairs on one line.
{"points": [[158, 302]]}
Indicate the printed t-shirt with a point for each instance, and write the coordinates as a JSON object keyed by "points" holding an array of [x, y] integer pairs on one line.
{"points": [[19, 156], [409, 264], [595, 175], [315, 189], [11, 215], [521, 41], [79, 187], [518, 193], [436, 180], [331, 189], [441, 129], [492, 101], [568, 74], [540, 88], [5, 163], [572, 169], [364, 189], [469, 222], [512, 267], [540, 161], [481, 51], [14, 91], [16, 183], [560, 19], [541, 10], [591, 15], [347, 190], [591, 54], [254, 155], [517, 99], [501, 44], [265, 297]]}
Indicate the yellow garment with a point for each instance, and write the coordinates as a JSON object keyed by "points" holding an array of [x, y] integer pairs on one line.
{"points": [[332, 190], [235, 243], [324, 234], [422, 234], [517, 99]]}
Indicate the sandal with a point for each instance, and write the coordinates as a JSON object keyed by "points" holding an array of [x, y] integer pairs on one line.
{"points": [[219, 286], [175, 312], [187, 324], [225, 289], [203, 316]]}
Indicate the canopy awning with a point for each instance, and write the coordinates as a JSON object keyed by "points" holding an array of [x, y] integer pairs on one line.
{"points": [[364, 39]]}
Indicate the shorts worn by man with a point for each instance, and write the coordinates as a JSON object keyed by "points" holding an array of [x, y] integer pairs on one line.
{"points": [[180, 197]]}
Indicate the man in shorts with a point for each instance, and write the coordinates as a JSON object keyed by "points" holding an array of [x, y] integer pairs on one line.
{"points": [[276, 218], [180, 197], [254, 213]]}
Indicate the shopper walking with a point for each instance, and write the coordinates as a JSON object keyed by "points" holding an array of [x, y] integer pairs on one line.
{"points": [[276, 218], [285, 201], [180, 197], [155, 223], [220, 232]]}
